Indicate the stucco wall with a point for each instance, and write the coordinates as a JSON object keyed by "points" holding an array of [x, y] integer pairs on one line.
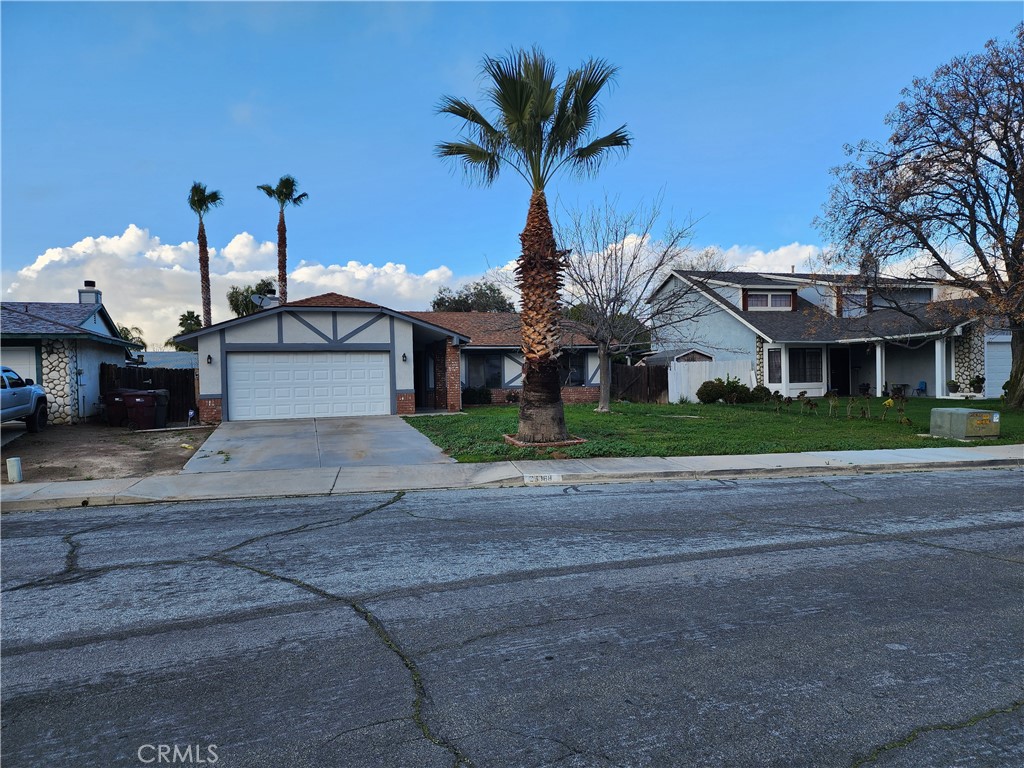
{"points": [[715, 331]]}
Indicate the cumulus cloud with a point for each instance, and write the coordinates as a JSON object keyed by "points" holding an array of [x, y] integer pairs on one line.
{"points": [[792, 257], [149, 284]]}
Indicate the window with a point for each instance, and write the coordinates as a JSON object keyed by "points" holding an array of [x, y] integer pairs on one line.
{"points": [[805, 365], [572, 369], [484, 370], [757, 300], [774, 366], [766, 300]]}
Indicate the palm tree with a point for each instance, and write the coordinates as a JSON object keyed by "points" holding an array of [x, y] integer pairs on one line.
{"points": [[188, 322], [201, 201], [538, 128], [284, 194]]}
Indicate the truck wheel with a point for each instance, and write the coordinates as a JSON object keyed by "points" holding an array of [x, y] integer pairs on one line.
{"points": [[37, 421]]}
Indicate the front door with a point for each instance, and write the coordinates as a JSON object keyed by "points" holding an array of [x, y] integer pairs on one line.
{"points": [[839, 370]]}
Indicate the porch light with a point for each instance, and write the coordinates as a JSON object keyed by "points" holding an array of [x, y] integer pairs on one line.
{"points": [[405, 358], [209, 359]]}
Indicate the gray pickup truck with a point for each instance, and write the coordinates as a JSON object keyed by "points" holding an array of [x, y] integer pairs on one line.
{"points": [[22, 399]]}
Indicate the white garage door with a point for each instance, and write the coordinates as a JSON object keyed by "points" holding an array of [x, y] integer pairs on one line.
{"points": [[997, 364], [22, 360], [301, 385]]}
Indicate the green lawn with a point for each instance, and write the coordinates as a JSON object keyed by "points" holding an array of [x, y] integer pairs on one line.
{"points": [[695, 430]]}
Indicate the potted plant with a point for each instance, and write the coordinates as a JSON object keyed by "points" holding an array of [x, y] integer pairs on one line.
{"points": [[953, 385], [977, 384]]}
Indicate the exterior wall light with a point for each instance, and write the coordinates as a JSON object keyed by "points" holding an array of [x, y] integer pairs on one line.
{"points": [[209, 359], [405, 358]]}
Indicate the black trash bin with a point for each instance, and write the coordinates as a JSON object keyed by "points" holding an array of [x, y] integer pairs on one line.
{"points": [[141, 407], [163, 397], [115, 407]]}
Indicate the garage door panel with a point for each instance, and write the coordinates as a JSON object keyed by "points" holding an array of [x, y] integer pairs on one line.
{"points": [[284, 385]]}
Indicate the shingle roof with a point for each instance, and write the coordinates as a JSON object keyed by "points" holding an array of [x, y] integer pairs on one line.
{"points": [[44, 318], [812, 324], [495, 329], [333, 300]]}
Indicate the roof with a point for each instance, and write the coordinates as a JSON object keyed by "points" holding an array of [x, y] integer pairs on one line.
{"points": [[335, 300], [327, 301], [37, 319], [496, 329], [181, 360]]}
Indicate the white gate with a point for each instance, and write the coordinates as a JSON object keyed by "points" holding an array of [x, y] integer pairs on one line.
{"points": [[685, 378]]}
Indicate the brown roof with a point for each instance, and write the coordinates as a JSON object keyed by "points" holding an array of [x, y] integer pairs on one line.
{"points": [[332, 300], [494, 329]]}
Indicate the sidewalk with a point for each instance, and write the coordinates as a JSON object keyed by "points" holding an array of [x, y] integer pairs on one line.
{"points": [[321, 482]]}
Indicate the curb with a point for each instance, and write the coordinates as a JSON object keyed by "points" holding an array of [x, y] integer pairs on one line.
{"points": [[533, 480]]}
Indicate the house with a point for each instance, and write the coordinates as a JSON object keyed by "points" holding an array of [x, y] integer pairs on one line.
{"points": [[814, 333], [61, 346], [335, 355], [493, 356]]}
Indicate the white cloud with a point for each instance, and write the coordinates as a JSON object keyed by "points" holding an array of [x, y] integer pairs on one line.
{"points": [[792, 257], [148, 284]]}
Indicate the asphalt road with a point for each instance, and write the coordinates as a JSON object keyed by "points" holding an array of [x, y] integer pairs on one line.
{"points": [[858, 621]]}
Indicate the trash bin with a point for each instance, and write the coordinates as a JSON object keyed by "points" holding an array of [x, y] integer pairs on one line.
{"points": [[141, 407], [115, 407], [163, 397]]}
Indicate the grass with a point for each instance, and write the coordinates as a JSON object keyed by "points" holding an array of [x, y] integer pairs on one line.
{"points": [[633, 429]]}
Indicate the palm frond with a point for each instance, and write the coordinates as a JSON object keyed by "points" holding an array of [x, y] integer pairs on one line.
{"points": [[201, 201], [479, 163]]}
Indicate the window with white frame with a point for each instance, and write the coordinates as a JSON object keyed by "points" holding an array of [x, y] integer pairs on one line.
{"points": [[768, 300], [805, 366], [774, 366]]}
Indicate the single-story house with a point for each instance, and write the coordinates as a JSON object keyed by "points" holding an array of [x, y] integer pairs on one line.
{"points": [[334, 355], [61, 346], [815, 333], [493, 356]]}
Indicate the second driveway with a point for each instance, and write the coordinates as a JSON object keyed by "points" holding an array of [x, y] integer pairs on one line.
{"points": [[372, 441]]}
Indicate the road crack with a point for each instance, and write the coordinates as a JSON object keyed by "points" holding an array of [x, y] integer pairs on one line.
{"points": [[461, 760], [917, 733]]}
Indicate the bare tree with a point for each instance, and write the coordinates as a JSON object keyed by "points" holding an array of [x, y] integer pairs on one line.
{"points": [[615, 262], [948, 186]]}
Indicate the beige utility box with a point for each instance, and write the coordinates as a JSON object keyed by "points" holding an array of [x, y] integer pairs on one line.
{"points": [[964, 423]]}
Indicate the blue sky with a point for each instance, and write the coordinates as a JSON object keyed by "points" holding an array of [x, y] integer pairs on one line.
{"points": [[111, 110]]}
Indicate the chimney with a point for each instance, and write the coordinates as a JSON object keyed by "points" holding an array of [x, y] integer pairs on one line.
{"points": [[271, 300], [89, 294]]}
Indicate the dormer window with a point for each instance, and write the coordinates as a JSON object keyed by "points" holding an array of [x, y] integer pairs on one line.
{"points": [[768, 300]]}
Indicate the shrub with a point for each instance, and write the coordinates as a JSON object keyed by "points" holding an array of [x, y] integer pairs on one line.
{"points": [[761, 394], [711, 391], [476, 396]]}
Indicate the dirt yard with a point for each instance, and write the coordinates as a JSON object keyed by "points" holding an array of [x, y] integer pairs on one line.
{"points": [[99, 452]]}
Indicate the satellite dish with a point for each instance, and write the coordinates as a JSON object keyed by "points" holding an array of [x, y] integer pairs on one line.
{"points": [[263, 301]]}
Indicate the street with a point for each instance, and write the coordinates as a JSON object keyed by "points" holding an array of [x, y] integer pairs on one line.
{"points": [[830, 621]]}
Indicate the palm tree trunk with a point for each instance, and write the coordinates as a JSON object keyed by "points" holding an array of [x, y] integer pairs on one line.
{"points": [[282, 259], [541, 416], [204, 274]]}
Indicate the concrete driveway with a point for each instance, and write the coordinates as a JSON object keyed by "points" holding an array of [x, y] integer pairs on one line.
{"points": [[370, 441]]}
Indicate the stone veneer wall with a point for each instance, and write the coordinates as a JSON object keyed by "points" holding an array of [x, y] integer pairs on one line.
{"points": [[759, 365], [969, 355], [60, 360]]}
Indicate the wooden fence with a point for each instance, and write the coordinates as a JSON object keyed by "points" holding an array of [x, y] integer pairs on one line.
{"points": [[179, 382], [640, 384]]}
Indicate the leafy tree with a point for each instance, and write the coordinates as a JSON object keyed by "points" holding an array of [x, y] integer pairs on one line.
{"points": [[188, 322], [481, 296], [132, 333], [240, 297], [284, 195], [615, 261], [201, 201], [948, 186], [537, 128]]}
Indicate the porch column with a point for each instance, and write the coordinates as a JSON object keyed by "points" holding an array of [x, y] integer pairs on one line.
{"points": [[940, 366], [879, 367], [785, 371], [453, 377]]}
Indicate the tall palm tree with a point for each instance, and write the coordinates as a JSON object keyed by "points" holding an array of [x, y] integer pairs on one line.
{"points": [[201, 201], [284, 194], [537, 129]]}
